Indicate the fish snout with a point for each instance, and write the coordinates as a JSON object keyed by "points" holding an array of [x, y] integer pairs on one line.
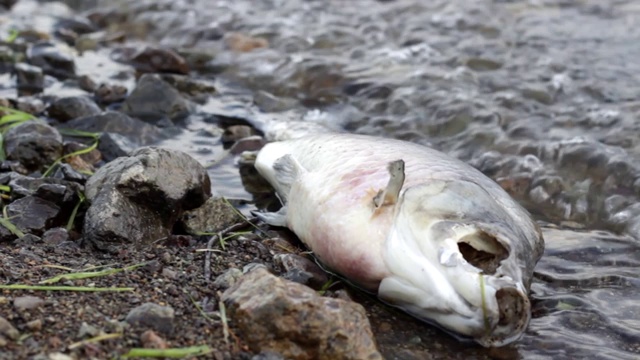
{"points": [[511, 318]]}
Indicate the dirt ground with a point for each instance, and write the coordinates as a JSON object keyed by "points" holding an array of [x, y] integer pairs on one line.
{"points": [[173, 275]]}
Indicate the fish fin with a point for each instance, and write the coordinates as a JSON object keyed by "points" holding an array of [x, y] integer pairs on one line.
{"points": [[278, 218], [389, 196], [286, 170]]}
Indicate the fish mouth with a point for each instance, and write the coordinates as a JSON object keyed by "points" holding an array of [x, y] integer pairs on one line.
{"points": [[462, 274]]}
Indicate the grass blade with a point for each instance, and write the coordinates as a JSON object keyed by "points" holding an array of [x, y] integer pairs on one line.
{"points": [[64, 288], [88, 275], [175, 353]]}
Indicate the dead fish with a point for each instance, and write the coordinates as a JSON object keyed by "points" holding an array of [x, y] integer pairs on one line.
{"points": [[426, 232]]}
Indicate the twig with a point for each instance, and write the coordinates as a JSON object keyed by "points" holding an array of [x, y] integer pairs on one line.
{"points": [[63, 288], [94, 340], [223, 317]]}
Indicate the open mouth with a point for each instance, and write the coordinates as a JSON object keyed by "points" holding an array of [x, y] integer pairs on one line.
{"points": [[483, 251]]}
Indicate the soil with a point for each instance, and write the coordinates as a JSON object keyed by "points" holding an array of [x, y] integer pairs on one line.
{"points": [[173, 275]]}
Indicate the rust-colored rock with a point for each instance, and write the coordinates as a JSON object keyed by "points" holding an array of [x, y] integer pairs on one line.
{"points": [[274, 314]]}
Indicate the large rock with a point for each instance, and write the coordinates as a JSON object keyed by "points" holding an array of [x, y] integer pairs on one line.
{"points": [[52, 60], [34, 144], [277, 315], [137, 199]]}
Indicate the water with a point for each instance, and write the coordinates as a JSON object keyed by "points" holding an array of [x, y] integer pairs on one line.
{"points": [[541, 95]]}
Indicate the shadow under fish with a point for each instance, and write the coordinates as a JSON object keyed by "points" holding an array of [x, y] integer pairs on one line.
{"points": [[426, 232]]}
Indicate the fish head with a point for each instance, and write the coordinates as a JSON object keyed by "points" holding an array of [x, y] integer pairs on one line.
{"points": [[461, 256]]}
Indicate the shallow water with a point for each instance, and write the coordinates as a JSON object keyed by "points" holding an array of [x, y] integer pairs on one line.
{"points": [[541, 95]]}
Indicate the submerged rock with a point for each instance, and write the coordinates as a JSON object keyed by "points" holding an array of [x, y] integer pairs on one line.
{"points": [[138, 199], [277, 315], [34, 144]]}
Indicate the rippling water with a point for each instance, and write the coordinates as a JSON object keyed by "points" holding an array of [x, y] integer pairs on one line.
{"points": [[541, 95]]}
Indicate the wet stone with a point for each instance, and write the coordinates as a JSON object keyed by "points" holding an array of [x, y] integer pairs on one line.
{"points": [[34, 144], [273, 314], [152, 316], [109, 93], [301, 270], [28, 302], [73, 107], [151, 59], [151, 340], [52, 60], [540, 94], [483, 64], [155, 98], [30, 79]]}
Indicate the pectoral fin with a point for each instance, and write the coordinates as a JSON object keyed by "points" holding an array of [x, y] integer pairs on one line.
{"points": [[389, 196], [286, 170], [278, 218]]}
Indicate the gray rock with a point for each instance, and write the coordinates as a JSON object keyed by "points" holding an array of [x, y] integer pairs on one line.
{"points": [[121, 134], [153, 316], [55, 236], [280, 316], [302, 270], [30, 79], [227, 279], [52, 60], [34, 215], [34, 144], [27, 302], [110, 93], [154, 98], [138, 199], [69, 108], [87, 330], [6, 329], [49, 188], [214, 215]]}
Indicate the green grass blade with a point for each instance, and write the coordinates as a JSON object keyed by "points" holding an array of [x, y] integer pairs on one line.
{"points": [[87, 275], [74, 212], [80, 133], [175, 353], [3, 155], [4, 221], [75, 153], [63, 288]]}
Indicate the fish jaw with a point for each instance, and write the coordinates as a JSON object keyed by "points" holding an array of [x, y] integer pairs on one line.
{"points": [[430, 277]]}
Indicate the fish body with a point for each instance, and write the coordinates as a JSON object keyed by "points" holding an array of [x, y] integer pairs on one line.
{"points": [[426, 232]]}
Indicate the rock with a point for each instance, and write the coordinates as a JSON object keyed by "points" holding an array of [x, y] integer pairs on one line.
{"points": [[27, 302], [302, 270], [55, 236], [237, 132], [252, 143], [7, 330], [540, 94], [69, 108], [34, 325], [30, 105], [151, 59], [188, 85], [52, 60], [26, 186], [153, 98], [151, 340], [29, 79], [86, 83], [34, 215], [214, 215], [483, 64], [138, 199], [110, 93], [273, 314], [8, 4], [34, 144], [242, 43], [267, 355], [227, 279], [87, 330], [120, 133], [153, 316]]}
